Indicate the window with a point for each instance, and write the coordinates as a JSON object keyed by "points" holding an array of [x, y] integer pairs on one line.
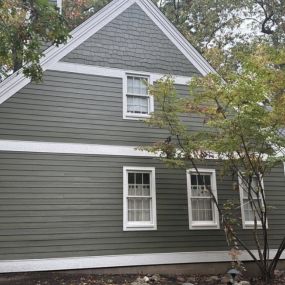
{"points": [[248, 208], [139, 198], [137, 102], [203, 214]]}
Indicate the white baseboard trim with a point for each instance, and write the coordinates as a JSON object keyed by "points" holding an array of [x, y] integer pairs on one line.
{"points": [[72, 148], [119, 261]]}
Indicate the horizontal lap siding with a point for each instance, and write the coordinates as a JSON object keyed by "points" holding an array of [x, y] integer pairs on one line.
{"points": [[132, 41], [71, 205], [70, 107]]}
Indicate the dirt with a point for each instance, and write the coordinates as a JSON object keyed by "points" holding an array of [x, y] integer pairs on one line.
{"points": [[65, 278]]}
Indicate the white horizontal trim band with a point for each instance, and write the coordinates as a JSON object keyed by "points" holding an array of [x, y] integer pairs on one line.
{"points": [[119, 260], [78, 148], [72, 148], [111, 72]]}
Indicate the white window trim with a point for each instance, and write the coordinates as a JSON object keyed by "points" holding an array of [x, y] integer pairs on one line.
{"points": [[59, 5], [139, 226], [202, 225], [130, 116], [247, 224]]}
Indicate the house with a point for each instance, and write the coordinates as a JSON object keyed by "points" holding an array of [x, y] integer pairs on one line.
{"points": [[75, 192]]}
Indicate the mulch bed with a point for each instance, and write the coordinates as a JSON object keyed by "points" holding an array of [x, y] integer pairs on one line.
{"points": [[65, 278]]}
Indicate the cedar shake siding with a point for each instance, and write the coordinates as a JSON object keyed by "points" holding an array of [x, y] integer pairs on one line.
{"points": [[132, 41]]}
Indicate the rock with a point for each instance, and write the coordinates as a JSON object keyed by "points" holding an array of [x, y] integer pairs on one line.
{"points": [[140, 281], [225, 280], [212, 279], [187, 283], [154, 278], [191, 280], [278, 273], [146, 279], [243, 283], [180, 279]]}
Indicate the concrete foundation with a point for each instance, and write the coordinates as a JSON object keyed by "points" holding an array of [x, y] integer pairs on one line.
{"points": [[177, 269]]}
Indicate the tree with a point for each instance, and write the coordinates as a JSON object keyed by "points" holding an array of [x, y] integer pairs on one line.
{"points": [[243, 117], [77, 11], [208, 23], [25, 28]]}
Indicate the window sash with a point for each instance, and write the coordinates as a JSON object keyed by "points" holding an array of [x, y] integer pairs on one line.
{"points": [[199, 211], [137, 104], [202, 211], [139, 197], [137, 101], [137, 85], [247, 212], [140, 210]]}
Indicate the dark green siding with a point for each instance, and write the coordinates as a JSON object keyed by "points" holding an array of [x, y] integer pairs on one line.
{"points": [[70, 107], [71, 205]]}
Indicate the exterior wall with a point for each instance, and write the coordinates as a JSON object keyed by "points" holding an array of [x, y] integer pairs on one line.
{"points": [[132, 41], [56, 205], [70, 107], [71, 205]]}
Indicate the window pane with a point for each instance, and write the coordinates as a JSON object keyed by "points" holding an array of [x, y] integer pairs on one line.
{"points": [[254, 186], [146, 178], [139, 178], [132, 190], [193, 179], [139, 209], [131, 178], [207, 180], [146, 190], [137, 105], [202, 186], [202, 209], [137, 85], [248, 211], [139, 184], [130, 84]]}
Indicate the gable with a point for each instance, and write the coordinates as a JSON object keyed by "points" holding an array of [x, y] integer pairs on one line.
{"points": [[132, 41], [94, 24]]}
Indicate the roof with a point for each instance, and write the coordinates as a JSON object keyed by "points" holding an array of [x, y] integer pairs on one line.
{"points": [[53, 54]]}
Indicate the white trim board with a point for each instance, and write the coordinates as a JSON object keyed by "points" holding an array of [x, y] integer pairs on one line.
{"points": [[112, 72], [75, 148], [120, 260], [92, 25], [72, 148]]}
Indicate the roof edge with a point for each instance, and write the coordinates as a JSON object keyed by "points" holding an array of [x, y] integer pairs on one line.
{"points": [[176, 37], [53, 54]]}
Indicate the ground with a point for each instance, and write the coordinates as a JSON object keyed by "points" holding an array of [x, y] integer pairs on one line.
{"points": [[66, 278]]}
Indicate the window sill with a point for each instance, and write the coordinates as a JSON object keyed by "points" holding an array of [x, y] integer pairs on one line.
{"points": [[140, 228], [250, 226], [135, 116], [212, 226]]}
